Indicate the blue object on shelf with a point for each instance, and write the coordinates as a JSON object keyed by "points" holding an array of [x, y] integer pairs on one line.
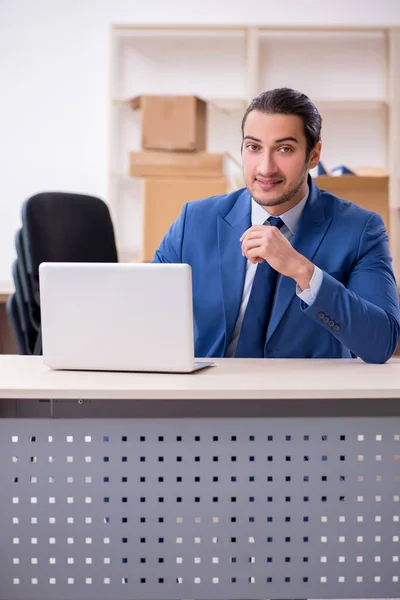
{"points": [[320, 169], [341, 170]]}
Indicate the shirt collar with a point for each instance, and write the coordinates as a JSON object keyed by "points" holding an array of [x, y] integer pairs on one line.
{"points": [[291, 217]]}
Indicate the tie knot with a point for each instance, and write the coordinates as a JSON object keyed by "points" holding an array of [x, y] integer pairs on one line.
{"points": [[276, 222]]}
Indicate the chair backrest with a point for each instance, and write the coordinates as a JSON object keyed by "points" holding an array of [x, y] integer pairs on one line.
{"points": [[26, 283], [15, 323], [66, 227], [28, 331]]}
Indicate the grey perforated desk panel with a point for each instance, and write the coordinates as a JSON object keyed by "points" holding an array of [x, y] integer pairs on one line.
{"points": [[255, 479]]}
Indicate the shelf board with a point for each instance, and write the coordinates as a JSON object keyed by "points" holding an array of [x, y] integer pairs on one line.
{"points": [[226, 105], [236, 104], [129, 28], [333, 32], [350, 103], [128, 31], [360, 175]]}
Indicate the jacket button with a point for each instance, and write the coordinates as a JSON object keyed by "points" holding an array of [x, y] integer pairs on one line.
{"points": [[331, 323], [336, 328], [326, 319], [320, 315]]}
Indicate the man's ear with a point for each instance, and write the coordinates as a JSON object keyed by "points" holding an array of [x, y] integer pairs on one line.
{"points": [[315, 155]]}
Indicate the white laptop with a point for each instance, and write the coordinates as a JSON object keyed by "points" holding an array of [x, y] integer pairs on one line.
{"points": [[117, 317]]}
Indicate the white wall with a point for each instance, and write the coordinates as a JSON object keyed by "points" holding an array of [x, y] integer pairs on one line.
{"points": [[54, 82]]}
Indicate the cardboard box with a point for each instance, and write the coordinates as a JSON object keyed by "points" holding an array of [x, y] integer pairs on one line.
{"points": [[172, 122], [370, 192], [162, 202], [175, 164]]}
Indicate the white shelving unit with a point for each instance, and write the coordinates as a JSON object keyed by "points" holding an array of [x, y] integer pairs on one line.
{"points": [[352, 75]]}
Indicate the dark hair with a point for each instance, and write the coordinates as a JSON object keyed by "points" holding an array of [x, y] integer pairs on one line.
{"points": [[286, 101]]}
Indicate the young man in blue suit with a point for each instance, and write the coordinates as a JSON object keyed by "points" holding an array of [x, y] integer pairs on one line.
{"points": [[282, 269]]}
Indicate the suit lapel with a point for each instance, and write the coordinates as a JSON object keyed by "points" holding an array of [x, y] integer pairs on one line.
{"points": [[232, 263], [310, 231]]}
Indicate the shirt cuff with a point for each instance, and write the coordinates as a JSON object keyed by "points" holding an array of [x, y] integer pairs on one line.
{"points": [[308, 296]]}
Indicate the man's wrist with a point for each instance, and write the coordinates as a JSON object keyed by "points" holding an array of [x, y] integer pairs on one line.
{"points": [[304, 274]]}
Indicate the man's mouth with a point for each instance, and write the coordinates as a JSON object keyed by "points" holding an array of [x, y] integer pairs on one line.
{"points": [[268, 184]]}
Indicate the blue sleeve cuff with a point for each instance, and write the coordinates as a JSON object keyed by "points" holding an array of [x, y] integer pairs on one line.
{"points": [[308, 296]]}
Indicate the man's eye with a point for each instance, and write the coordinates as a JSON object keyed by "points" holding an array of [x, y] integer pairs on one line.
{"points": [[252, 147], [285, 149]]}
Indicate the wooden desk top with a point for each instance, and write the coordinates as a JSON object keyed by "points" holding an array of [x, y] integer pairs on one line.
{"points": [[28, 377]]}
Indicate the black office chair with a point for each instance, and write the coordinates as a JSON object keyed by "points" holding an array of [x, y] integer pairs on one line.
{"points": [[64, 227], [26, 331], [15, 323], [25, 282], [28, 309]]}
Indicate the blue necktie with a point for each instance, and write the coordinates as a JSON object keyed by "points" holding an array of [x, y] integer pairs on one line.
{"points": [[254, 327]]}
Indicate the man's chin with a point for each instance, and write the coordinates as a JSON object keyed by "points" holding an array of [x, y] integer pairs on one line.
{"points": [[269, 201]]}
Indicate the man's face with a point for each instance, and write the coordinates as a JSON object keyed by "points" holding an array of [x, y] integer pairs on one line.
{"points": [[274, 160]]}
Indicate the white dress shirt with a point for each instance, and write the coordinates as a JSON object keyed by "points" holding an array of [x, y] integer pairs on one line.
{"points": [[290, 219]]}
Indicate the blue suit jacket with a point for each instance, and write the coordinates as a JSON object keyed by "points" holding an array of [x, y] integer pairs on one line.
{"points": [[356, 312]]}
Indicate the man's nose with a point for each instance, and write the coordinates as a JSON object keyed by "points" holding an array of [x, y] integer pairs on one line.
{"points": [[267, 163]]}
